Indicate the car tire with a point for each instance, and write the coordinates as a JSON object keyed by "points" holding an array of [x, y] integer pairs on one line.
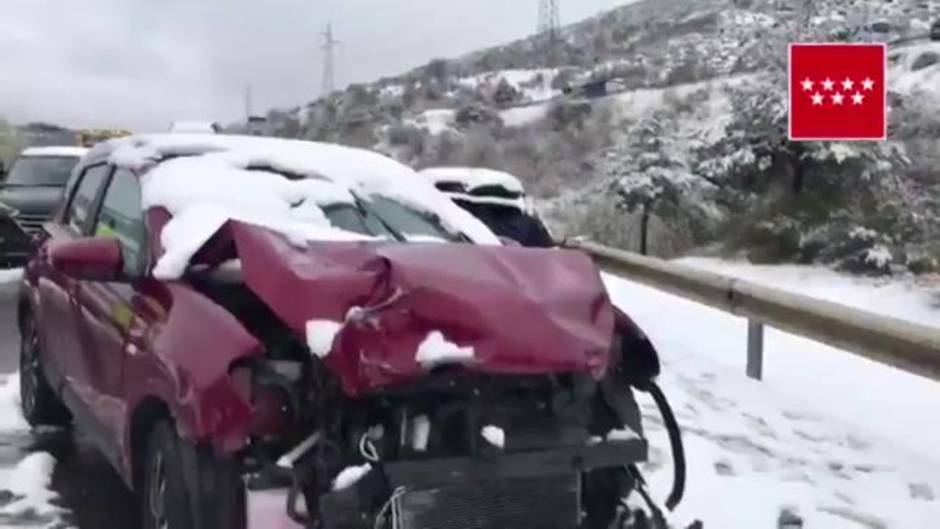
{"points": [[183, 486], [40, 404]]}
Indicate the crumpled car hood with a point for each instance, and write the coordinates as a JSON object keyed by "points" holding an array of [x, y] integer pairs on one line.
{"points": [[521, 310]]}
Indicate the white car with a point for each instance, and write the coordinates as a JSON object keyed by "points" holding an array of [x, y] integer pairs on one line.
{"points": [[496, 198]]}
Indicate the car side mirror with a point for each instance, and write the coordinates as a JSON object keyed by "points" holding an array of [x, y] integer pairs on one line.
{"points": [[88, 258], [3, 171]]}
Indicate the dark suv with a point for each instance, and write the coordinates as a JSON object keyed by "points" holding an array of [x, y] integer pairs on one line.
{"points": [[28, 196]]}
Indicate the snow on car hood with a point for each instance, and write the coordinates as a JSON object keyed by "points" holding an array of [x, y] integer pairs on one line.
{"points": [[505, 309]]}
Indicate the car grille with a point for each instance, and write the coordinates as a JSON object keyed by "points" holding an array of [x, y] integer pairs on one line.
{"points": [[30, 223], [543, 503]]}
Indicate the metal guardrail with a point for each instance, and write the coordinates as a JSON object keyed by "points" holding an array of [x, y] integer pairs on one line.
{"points": [[906, 345]]}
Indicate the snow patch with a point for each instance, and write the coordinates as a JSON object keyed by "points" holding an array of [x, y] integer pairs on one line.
{"points": [[11, 275], [63, 151], [436, 350], [623, 434], [320, 336], [437, 121], [879, 256], [425, 239], [11, 415], [29, 483], [494, 435], [524, 116], [350, 476]]}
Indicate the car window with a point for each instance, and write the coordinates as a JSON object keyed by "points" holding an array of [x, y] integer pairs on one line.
{"points": [[407, 221], [41, 171], [357, 220], [121, 216], [84, 197]]}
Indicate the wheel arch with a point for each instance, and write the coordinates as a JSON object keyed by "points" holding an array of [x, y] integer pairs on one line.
{"points": [[148, 412]]}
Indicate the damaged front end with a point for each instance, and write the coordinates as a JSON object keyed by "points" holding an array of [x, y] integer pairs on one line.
{"points": [[533, 425], [463, 451]]}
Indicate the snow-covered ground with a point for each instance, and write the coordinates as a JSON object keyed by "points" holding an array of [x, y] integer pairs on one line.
{"points": [[838, 440], [25, 496], [10, 275]]}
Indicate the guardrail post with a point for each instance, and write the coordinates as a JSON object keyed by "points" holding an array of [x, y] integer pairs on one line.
{"points": [[755, 349]]}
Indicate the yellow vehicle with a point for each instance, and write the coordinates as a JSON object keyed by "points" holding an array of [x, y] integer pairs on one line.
{"points": [[89, 137]]}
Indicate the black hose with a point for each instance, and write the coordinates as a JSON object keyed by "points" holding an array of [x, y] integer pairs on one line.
{"points": [[675, 443]]}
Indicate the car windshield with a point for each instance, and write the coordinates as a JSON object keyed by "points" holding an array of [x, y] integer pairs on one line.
{"points": [[382, 217], [42, 171]]}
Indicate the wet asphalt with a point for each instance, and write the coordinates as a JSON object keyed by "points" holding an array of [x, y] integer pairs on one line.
{"points": [[88, 487]]}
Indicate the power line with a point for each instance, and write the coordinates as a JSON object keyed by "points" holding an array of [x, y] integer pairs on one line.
{"points": [[329, 69], [247, 103], [549, 29]]}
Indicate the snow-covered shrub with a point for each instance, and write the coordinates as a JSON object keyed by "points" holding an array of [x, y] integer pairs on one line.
{"points": [[563, 78], [477, 114], [603, 220], [506, 94]]}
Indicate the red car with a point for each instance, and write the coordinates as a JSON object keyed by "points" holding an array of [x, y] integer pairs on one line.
{"points": [[272, 333]]}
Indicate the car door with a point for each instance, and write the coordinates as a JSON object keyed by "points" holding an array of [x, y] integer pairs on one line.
{"points": [[111, 323], [56, 319]]}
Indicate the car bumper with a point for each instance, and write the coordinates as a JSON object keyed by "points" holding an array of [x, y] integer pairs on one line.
{"points": [[463, 488]]}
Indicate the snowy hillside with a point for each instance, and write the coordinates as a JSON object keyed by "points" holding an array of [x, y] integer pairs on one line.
{"points": [[915, 70], [837, 440], [685, 125]]}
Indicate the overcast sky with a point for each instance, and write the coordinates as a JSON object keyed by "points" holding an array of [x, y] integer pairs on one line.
{"points": [[143, 63]]}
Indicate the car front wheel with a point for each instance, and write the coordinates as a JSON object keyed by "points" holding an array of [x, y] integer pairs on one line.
{"points": [[187, 487], [40, 404]]}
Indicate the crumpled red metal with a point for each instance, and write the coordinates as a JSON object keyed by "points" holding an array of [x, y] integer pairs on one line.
{"points": [[522, 310]]}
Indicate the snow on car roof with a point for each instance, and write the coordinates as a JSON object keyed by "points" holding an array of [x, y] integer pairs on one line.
{"points": [[74, 152], [211, 179]]}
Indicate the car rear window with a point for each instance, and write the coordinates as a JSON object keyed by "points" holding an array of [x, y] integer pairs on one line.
{"points": [[42, 171]]}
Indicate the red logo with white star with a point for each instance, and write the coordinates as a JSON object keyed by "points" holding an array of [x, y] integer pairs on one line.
{"points": [[838, 92]]}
